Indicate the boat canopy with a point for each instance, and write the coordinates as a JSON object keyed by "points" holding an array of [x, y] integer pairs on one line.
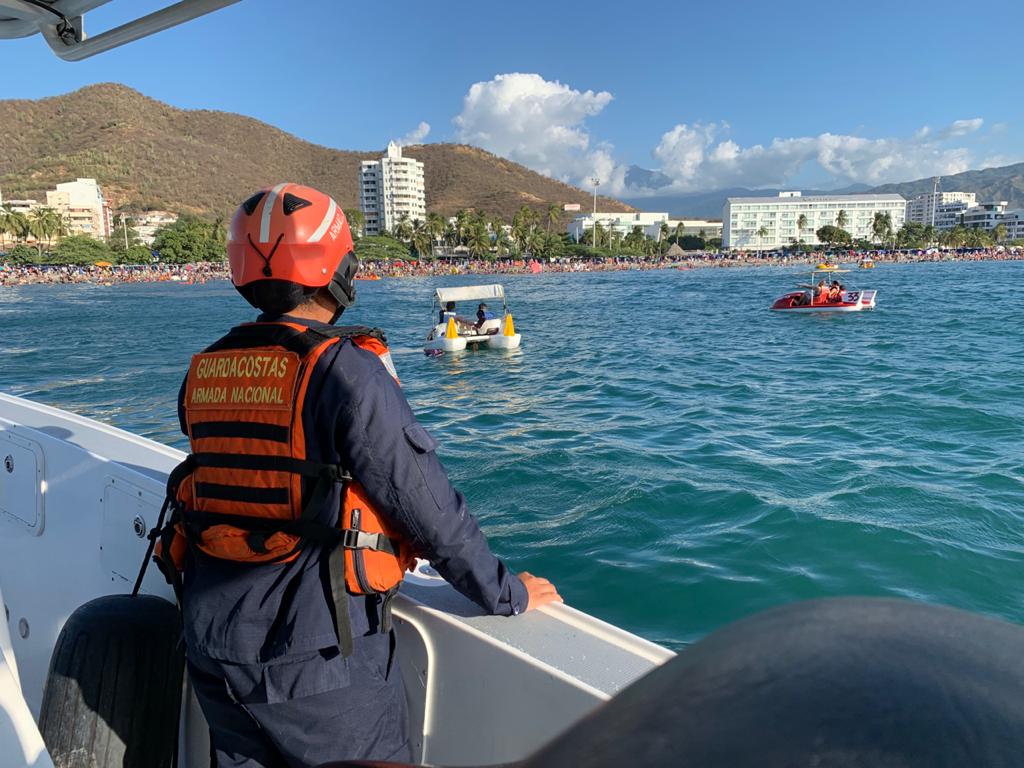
{"points": [[470, 293]]}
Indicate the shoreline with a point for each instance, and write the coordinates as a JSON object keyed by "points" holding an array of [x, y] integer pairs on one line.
{"points": [[197, 274]]}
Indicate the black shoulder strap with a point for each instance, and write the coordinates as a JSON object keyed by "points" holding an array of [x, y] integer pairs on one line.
{"points": [[350, 332], [250, 335]]}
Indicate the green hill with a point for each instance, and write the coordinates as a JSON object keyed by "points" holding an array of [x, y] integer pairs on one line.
{"points": [[149, 155]]}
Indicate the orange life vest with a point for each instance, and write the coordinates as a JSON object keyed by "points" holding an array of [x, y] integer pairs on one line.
{"points": [[240, 494]]}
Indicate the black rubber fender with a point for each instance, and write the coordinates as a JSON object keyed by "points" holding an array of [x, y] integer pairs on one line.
{"points": [[113, 692], [833, 683]]}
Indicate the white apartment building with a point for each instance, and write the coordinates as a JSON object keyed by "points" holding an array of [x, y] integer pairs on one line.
{"points": [[25, 206], [389, 189], [984, 215], [939, 209], [744, 217], [1014, 223], [649, 223], [81, 204], [146, 224]]}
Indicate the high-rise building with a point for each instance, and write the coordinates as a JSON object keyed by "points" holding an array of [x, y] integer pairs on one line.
{"points": [[83, 208], [391, 189], [939, 209], [770, 223]]}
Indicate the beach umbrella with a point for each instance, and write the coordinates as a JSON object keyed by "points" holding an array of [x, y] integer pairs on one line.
{"points": [[104, 264]]}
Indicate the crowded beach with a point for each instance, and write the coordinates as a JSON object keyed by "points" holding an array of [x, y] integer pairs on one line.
{"points": [[191, 274]]}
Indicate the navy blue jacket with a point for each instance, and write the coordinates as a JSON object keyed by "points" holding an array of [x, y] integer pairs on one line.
{"points": [[355, 415]]}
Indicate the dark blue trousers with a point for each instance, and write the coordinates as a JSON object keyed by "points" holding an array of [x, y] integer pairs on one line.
{"points": [[302, 711]]}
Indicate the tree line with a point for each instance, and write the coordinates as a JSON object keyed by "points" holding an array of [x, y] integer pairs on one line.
{"points": [[530, 233], [911, 234]]}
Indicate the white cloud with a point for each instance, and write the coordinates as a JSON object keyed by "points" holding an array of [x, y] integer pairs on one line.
{"points": [[543, 125], [540, 123], [961, 128], [997, 161], [415, 136], [699, 156]]}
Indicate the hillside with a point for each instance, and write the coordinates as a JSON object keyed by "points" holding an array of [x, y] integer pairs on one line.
{"points": [[150, 155], [1005, 183]]}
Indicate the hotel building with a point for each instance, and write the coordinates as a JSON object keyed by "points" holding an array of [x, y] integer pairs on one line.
{"points": [[83, 208], [146, 224], [649, 223], [391, 189], [939, 209], [744, 217]]}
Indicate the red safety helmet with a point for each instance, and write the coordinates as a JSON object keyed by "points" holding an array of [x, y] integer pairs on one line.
{"points": [[288, 241]]}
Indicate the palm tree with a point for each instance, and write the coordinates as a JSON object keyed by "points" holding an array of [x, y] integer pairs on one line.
{"points": [[422, 240], [999, 232], [43, 224], [356, 222], [761, 233], [801, 225], [6, 224], [554, 215], [502, 244], [478, 239], [680, 231], [403, 230], [842, 219], [462, 221], [663, 232]]}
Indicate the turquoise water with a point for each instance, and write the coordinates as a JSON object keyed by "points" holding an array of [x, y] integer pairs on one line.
{"points": [[670, 453]]}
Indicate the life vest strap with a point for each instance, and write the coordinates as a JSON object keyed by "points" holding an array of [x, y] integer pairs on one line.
{"points": [[259, 462], [245, 430], [311, 530]]}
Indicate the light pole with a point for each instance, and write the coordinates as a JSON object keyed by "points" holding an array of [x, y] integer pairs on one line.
{"points": [[596, 182]]}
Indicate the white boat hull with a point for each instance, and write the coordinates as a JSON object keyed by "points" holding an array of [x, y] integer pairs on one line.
{"points": [[481, 689], [495, 339]]}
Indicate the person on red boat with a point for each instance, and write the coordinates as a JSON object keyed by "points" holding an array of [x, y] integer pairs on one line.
{"points": [[823, 292], [309, 490], [835, 293]]}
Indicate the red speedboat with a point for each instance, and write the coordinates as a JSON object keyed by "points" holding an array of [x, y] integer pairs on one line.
{"points": [[807, 299]]}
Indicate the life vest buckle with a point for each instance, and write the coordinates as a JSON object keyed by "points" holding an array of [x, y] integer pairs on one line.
{"points": [[353, 539]]}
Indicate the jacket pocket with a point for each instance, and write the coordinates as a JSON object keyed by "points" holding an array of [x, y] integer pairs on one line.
{"points": [[434, 477]]}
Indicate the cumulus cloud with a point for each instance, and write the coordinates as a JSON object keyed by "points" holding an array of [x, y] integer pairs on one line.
{"points": [[415, 136], [541, 124], [700, 156]]}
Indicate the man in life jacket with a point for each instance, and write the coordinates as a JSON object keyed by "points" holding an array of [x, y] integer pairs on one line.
{"points": [[309, 490]]}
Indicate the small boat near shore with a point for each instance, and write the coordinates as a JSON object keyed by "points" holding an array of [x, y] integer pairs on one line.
{"points": [[452, 333], [805, 300]]}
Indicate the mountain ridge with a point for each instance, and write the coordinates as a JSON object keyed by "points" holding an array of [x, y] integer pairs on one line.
{"points": [[999, 183], [150, 155]]}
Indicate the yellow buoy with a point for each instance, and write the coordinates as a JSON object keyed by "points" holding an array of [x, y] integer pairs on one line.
{"points": [[510, 328], [450, 332]]}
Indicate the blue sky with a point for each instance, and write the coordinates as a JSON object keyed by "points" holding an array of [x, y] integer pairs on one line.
{"points": [[709, 94]]}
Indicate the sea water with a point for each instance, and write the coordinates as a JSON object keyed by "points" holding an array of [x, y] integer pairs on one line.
{"points": [[669, 452]]}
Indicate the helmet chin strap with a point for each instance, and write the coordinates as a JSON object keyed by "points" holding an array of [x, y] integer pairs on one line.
{"points": [[341, 287]]}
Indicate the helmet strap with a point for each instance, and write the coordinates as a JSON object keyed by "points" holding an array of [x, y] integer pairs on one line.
{"points": [[267, 271]]}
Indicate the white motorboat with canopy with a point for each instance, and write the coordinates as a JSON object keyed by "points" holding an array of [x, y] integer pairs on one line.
{"points": [[452, 333]]}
